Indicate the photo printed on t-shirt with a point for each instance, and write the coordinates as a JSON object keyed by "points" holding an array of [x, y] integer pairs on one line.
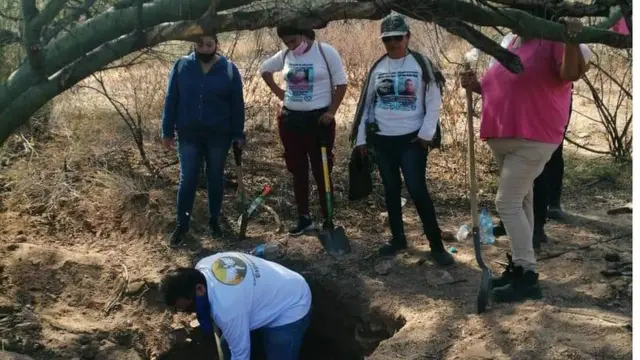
{"points": [[300, 83], [397, 90]]}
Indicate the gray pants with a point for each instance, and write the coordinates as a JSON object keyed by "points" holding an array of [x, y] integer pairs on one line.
{"points": [[519, 162]]}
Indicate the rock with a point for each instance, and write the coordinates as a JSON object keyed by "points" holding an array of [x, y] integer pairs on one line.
{"points": [[112, 352], [384, 267], [438, 277], [6, 355], [477, 352], [135, 287]]}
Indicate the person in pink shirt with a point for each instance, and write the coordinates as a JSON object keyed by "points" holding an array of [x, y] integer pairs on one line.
{"points": [[523, 121]]}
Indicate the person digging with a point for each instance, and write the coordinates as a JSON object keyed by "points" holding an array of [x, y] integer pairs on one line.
{"points": [[243, 296]]}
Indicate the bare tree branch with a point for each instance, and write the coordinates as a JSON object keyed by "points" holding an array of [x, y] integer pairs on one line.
{"points": [[50, 11]]}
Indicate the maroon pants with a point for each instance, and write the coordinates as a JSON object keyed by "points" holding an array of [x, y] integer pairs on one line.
{"points": [[299, 151]]}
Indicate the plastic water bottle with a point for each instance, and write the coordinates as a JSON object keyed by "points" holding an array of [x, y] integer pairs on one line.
{"points": [[486, 227], [265, 251], [463, 232]]}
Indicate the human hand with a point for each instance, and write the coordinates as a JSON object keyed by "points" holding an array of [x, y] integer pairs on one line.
{"points": [[424, 143], [469, 80], [327, 118], [573, 27], [169, 143]]}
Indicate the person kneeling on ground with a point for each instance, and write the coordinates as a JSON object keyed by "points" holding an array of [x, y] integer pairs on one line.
{"points": [[204, 106], [240, 293], [398, 115]]}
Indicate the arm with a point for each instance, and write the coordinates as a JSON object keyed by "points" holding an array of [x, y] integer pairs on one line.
{"points": [[170, 105], [574, 63], [338, 75], [368, 113], [236, 332], [237, 106], [270, 66], [432, 105]]}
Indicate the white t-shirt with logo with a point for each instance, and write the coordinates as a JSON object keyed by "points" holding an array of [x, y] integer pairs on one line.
{"points": [[248, 293], [307, 76], [396, 99]]}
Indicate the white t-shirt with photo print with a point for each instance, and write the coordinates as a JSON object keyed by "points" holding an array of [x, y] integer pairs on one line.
{"points": [[398, 101], [307, 76]]}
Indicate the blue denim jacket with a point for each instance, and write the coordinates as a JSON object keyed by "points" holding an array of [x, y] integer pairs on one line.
{"points": [[198, 103]]}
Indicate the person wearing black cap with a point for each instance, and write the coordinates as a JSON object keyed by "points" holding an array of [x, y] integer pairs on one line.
{"points": [[398, 116]]}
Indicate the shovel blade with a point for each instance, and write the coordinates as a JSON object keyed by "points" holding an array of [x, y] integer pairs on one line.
{"points": [[335, 241], [484, 291]]}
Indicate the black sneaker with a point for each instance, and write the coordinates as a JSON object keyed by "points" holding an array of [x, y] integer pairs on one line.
{"points": [[304, 224], [392, 247], [177, 237], [442, 257], [215, 230], [507, 275], [524, 285], [556, 213]]}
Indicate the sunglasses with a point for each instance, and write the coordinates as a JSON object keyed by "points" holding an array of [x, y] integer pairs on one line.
{"points": [[396, 38]]}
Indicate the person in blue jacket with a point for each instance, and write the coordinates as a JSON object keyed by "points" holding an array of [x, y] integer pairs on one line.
{"points": [[204, 111]]}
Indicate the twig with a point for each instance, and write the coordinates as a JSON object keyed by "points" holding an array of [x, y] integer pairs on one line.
{"points": [[269, 209], [584, 247], [123, 290]]}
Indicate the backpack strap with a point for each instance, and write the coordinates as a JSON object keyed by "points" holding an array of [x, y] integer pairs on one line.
{"points": [[328, 69]]}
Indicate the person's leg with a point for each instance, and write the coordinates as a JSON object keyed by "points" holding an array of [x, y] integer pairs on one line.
{"points": [[499, 229], [556, 173], [523, 162], [387, 158], [190, 156], [413, 162], [315, 158], [295, 157], [284, 342], [216, 151], [540, 206]]}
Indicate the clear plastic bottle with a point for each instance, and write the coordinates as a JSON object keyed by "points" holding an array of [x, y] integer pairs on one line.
{"points": [[463, 232], [265, 251], [486, 227]]}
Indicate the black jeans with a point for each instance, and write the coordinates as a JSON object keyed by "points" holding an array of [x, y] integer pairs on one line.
{"points": [[396, 153]]}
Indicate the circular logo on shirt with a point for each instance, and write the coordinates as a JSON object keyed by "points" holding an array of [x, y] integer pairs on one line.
{"points": [[229, 270]]}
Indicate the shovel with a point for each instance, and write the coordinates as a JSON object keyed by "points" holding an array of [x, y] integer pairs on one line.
{"points": [[485, 280], [237, 154], [332, 239], [243, 220]]}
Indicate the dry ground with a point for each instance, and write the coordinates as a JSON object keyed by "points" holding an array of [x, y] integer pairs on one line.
{"points": [[85, 225]]}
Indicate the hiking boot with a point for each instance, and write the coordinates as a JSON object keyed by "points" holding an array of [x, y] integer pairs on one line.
{"points": [[392, 247], [556, 213], [499, 230], [507, 274], [304, 224], [177, 237], [442, 257], [523, 285], [215, 230], [539, 236]]}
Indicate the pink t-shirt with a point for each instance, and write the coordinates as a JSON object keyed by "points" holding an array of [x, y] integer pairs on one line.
{"points": [[532, 105]]}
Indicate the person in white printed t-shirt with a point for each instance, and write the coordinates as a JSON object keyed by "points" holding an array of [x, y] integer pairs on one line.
{"points": [[315, 86], [398, 116], [244, 295]]}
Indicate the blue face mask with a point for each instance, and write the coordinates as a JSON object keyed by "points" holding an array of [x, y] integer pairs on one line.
{"points": [[203, 313]]}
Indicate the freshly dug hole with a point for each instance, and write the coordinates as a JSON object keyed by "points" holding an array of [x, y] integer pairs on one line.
{"points": [[341, 329]]}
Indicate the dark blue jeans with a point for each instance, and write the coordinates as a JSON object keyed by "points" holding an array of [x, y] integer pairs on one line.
{"points": [[276, 343], [397, 153], [192, 151]]}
